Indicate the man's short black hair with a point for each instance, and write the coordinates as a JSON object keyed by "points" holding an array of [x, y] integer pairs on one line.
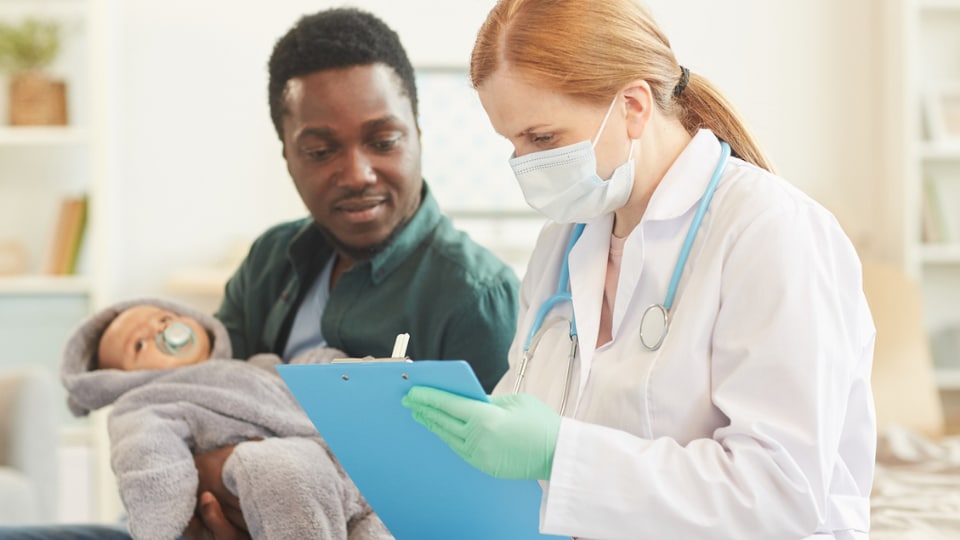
{"points": [[331, 39]]}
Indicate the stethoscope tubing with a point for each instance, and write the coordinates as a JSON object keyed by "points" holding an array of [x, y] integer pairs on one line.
{"points": [[563, 292], [695, 225]]}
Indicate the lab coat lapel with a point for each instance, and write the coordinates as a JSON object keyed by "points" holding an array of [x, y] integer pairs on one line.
{"points": [[682, 187], [588, 266], [676, 197]]}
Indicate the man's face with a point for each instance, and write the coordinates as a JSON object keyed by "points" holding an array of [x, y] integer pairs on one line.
{"points": [[353, 149]]}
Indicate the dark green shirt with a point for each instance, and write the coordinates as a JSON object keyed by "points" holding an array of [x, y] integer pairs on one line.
{"points": [[455, 299]]}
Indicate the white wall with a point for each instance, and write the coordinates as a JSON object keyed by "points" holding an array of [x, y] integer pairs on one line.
{"points": [[198, 165]]}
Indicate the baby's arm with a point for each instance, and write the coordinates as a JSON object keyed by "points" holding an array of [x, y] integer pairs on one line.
{"points": [[319, 355], [155, 471]]}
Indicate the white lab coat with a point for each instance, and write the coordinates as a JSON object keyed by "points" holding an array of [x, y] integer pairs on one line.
{"points": [[755, 418]]}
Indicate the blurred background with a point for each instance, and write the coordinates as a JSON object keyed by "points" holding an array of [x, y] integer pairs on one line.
{"points": [[137, 157]]}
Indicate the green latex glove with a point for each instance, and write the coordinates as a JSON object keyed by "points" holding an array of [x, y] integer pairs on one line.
{"points": [[512, 436]]}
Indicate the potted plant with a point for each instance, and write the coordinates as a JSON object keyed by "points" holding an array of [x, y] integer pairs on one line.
{"points": [[26, 50]]}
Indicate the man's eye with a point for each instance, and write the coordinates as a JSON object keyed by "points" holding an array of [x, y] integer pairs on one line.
{"points": [[383, 145], [318, 154]]}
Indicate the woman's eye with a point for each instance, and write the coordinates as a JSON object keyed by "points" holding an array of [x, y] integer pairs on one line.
{"points": [[166, 318], [140, 345], [541, 139]]}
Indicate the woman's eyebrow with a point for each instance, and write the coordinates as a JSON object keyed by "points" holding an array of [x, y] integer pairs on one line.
{"points": [[531, 128]]}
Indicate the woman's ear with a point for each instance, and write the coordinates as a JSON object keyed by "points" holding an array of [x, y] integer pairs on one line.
{"points": [[639, 107]]}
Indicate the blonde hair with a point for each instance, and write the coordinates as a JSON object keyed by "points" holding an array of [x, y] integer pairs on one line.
{"points": [[591, 49]]}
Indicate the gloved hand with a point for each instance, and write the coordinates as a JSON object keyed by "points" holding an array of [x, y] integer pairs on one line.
{"points": [[513, 436]]}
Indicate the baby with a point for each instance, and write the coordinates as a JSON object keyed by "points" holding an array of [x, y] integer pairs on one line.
{"points": [[146, 336], [166, 370]]}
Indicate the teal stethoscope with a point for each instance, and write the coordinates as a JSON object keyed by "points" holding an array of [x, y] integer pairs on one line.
{"points": [[655, 322]]}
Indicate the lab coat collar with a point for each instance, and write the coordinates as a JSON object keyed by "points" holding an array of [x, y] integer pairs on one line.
{"points": [[685, 181]]}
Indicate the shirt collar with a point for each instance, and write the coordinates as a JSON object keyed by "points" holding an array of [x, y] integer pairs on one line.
{"points": [[423, 221], [685, 181], [309, 246]]}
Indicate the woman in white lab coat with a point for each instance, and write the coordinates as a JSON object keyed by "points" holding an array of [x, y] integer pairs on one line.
{"points": [[750, 415]]}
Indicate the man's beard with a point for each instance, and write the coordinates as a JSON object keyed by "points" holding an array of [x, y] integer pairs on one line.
{"points": [[363, 253]]}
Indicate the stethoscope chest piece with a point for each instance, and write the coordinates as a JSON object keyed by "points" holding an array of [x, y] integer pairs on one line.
{"points": [[653, 327]]}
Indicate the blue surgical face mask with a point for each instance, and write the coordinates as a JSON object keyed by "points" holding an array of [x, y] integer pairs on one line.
{"points": [[563, 184], [176, 339]]}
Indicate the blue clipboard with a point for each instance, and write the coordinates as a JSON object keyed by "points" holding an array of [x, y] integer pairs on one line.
{"points": [[417, 485]]}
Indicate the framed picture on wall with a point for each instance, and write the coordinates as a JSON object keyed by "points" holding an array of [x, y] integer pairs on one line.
{"points": [[943, 113]]}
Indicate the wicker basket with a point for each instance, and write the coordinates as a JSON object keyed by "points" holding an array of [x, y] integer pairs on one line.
{"points": [[37, 100]]}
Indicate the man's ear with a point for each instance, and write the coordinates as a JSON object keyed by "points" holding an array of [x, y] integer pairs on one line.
{"points": [[639, 107]]}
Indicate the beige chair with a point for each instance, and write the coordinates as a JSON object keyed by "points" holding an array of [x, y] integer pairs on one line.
{"points": [[29, 447], [903, 381]]}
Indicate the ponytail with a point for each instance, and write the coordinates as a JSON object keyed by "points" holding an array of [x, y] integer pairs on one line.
{"points": [[700, 105]]}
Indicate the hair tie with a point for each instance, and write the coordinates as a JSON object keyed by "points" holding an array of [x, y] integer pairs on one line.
{"points": [[684, 79]]}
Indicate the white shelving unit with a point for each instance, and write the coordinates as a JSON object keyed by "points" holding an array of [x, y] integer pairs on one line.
{"points": [[42, 136], [44, 285], [929, 42], [39, 166]]}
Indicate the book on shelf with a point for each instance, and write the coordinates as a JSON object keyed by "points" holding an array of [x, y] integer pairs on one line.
{"points": [[68, 236], [935, 228]]}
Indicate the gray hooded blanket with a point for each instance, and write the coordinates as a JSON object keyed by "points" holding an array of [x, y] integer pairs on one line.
{"points": [[289, 485]]}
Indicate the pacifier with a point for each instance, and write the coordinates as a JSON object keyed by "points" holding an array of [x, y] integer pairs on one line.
{"points": [[176, 339]]}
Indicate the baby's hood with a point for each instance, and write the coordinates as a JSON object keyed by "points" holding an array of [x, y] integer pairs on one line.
{"points": [[88, 388]]}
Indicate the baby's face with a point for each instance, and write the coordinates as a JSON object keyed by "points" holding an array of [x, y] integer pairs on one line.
{"points": [[129, 342]]}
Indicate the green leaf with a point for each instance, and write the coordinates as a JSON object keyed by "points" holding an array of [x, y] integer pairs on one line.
{"points": [[31, 45]]}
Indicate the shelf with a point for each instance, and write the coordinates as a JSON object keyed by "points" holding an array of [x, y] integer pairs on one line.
{"points": [[948, 378], [43, 8], [939, 5], [41, 135], [940, 151], [940, 253], [44, 285]]}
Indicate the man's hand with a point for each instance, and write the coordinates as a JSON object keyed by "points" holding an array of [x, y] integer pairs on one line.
{"points": [[218, 513], [210, 523]]}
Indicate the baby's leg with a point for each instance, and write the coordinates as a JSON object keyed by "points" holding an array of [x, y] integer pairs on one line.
{"points": [[290, 488]]}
